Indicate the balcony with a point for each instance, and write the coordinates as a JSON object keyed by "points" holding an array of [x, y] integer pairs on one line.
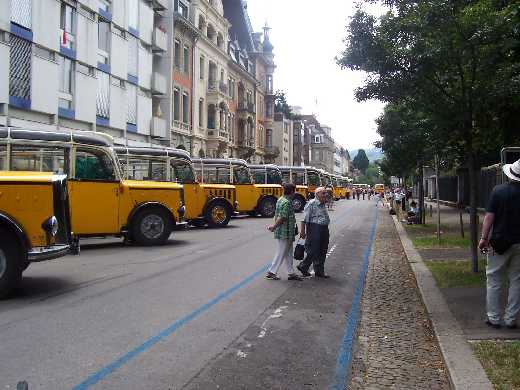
{"points": [[158, 84], [158, 127], [272, 151], [245, 107], [160, 5], [251, 108], [219, 135], [159, 40], [218, 88]]}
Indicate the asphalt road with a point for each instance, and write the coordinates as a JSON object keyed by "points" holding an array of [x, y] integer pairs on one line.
{"points": [[196, 313]]}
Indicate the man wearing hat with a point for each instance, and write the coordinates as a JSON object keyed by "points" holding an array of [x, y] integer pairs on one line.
{"points": [[501, 233]]}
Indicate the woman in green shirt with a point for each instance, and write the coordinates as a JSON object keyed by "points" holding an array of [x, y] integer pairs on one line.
{"points": [[283, 229]]}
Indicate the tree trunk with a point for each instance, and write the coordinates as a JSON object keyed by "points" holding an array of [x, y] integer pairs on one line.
{"points": [[422, 210], [473, 218]]}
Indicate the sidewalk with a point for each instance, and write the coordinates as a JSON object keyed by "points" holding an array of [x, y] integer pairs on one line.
{"points": [[466, 302], [396, 347]]}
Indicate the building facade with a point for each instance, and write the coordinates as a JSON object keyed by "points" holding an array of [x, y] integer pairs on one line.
{"points": [[282, 140], [94, 65]]}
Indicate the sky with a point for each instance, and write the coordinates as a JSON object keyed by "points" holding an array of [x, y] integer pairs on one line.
{"points": [[307, 35]]}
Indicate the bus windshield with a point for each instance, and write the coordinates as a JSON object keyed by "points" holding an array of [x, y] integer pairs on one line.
{"points": [[182, 172], [313, 178], [241, 175]]}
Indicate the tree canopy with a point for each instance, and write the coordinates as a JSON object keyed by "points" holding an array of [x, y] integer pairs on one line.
{"points": [[361, 161]]}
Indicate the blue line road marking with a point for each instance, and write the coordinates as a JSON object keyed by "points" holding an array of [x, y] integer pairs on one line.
{"points": [[344, 359], [116, 364]]}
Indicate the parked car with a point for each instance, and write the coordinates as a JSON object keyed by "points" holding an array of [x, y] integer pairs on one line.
{"points": [[102, 203], [211, 204], [34, 221]]}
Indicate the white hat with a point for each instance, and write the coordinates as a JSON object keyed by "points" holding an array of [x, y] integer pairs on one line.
{"points": [[512, 171]]}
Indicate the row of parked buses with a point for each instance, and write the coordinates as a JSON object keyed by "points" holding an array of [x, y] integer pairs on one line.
{"points": [[57, 187]]}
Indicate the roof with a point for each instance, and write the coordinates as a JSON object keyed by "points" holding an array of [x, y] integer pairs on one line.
{"points": [[219, 161], [156, 152], [265, 166], [297, 168], [80, 137]]}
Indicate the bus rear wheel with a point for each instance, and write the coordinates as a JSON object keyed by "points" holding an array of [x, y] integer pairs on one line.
{"points": [[267, 207], [218, 214], [11, 261]]}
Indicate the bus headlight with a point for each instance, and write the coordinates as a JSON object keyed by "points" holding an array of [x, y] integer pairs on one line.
{"points": [[182, 211], [50, 226]]}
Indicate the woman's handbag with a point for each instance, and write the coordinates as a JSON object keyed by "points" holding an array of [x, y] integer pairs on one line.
{"points": [[299, 251]]}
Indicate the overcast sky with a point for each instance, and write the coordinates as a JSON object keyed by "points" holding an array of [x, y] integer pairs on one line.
{"points": [[307, 35]]}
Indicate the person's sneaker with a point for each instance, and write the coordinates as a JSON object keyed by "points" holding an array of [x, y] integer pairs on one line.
{"points": [[294, 277], [272, 276], [304, 273], [492, 324]]}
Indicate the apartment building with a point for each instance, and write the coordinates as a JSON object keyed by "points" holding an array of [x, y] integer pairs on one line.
{"points": [[85, 65], [263, 56], [321, 145]]}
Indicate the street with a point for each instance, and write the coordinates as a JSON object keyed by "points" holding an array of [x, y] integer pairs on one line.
{"points": [[196, 313]]}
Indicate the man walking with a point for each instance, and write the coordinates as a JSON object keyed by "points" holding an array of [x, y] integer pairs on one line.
{"points": [[502, 220], [315, 229], [284, 229]]}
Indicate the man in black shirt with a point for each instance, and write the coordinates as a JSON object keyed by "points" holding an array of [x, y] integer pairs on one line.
{"points": [[502, 220]]}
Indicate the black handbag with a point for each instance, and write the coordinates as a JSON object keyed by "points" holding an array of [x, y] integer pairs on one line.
{"points": [[501, 244], [299, 251]]}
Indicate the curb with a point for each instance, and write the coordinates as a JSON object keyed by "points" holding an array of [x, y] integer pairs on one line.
{"points": [[465, 371]]}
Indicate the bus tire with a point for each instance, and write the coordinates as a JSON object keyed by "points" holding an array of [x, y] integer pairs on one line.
{"points": [[298, 203], [218, 214], [151, 226], [11, 260], [267, 207]]}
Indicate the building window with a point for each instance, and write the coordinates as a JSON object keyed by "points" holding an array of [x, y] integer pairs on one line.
{"points": [[21, 12], [182, 8], [103, 42], [66, 83], [176, 104], [317, 139], [67, 22], [201, 113], [20, 68], [186, 58], [104, 5], [269, 138], [185, 108], [269, 83], [133, 14], [321, 155], [103, 95], [132, 104], [201, 68], [132, 56], [177, 54]]}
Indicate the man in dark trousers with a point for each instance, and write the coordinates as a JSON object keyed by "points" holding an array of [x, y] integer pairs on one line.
{"points": [[315, 230], [501, 240]]}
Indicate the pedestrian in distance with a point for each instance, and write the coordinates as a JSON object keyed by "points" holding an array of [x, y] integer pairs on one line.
{"points": [[284, 229], [501, 241], [315, 230]]}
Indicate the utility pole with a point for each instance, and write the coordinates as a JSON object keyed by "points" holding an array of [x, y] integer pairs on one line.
{"points": [[438, 200]]}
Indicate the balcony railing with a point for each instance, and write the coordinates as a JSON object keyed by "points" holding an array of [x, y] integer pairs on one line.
{"points": [[158, 84], [223, 87], [273, 151], [159, 40], [158, 127]]}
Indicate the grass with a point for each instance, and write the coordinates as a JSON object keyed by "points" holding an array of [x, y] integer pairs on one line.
{"points": [[457, 273], [501, 360], [447, 241]]}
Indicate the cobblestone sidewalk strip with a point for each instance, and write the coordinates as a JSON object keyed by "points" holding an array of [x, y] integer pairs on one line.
{"points": [[396, 347], [464, 370]]}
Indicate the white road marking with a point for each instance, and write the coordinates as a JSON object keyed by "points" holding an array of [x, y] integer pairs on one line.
{"points": [[276, 314]]}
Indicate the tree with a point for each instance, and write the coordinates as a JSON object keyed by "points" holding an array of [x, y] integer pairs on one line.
{"points": [[361, 161], [457, 60], [281, 105]]}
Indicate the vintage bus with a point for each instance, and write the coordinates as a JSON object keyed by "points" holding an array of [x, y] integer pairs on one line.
{"points": [[272, 174], [252, 198], [206, 204], [102, 202]]}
